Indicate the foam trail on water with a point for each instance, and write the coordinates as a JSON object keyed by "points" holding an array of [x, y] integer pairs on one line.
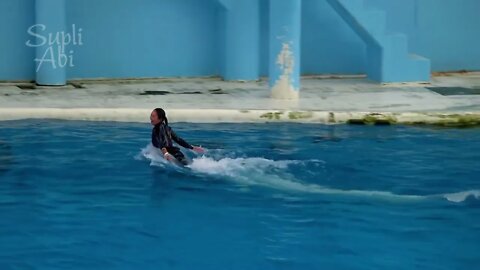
{"points": [[462, 196], [252, 171], [272, 174]]}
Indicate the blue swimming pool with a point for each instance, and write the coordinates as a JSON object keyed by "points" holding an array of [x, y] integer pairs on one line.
{"points": [[86, 195]]}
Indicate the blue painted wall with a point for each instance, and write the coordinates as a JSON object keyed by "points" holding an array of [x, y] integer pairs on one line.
{"points": [[163, 38], [264, 37], [16, 59], [445, 31], [147, 38], [329, 45]]}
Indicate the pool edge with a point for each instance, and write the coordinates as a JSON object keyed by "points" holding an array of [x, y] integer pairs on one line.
{"points": [[454, 119]]}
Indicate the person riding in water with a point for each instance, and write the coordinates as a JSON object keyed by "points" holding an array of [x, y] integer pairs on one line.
{"points": [[163, 135]]}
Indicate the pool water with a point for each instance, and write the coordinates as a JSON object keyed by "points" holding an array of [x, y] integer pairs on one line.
{"points": [[87, 195]]}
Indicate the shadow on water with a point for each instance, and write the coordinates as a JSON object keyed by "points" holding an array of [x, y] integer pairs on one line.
{"points": [[167, 182], [6, 157]]}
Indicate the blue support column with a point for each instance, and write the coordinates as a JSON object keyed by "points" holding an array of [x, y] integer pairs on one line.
{"points": [[51, 57], [241, 21], [285, 30]]}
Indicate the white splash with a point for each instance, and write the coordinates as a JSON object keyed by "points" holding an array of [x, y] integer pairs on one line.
{"points": [[283, 88], [273, 174], [462, 196], [238, 167]]}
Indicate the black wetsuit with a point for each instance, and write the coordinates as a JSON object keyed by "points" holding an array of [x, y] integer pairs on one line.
{"points": [[162, 137]]}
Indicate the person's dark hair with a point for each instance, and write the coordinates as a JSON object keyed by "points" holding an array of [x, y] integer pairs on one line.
{"points": [[162, 115]]}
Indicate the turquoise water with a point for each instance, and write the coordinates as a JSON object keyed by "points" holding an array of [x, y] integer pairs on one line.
{"points": [[83, 195]]}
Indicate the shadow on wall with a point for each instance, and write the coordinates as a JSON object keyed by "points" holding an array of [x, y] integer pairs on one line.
{"points": [[444, 31], [329, 45]]}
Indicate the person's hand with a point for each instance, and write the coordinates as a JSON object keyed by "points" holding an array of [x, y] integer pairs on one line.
{"points": [[198, 149], [168, 156]]}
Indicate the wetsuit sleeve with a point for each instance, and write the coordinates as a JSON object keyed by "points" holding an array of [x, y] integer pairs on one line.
{"points": [[179, 140], [162, 138], [155, 140], [158, 138]]}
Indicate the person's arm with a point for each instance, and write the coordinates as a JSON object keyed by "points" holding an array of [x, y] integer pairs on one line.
{"points": [[160, 141], [155, 137], [155, 142], [180, 141], [183, 143]]}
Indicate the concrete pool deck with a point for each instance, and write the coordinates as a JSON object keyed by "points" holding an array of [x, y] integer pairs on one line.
{"points": [[322, 100]]}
